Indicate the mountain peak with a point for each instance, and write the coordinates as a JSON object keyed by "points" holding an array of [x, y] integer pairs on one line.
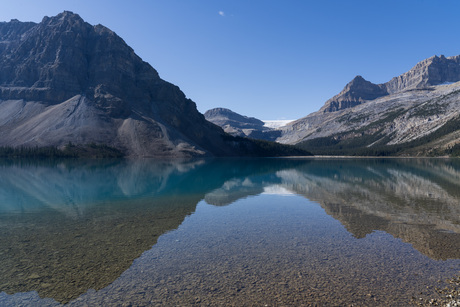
{"points": [[355, 92], [431, 71], [357, 81], [66, 18], [226, 115], [67, 15], [240, 125], [358, 78], [64, 80]]}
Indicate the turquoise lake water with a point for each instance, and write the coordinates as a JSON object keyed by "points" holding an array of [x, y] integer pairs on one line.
{"points": [[228, 232]]}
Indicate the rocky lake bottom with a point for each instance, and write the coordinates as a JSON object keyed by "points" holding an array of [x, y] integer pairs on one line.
{"points": [[270, 232]]}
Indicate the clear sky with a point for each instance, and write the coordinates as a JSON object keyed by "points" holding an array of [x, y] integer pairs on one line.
{"points": [[264, 58]]}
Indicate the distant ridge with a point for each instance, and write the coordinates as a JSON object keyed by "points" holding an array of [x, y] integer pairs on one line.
{"points": [[222, 116], [240, 125]]}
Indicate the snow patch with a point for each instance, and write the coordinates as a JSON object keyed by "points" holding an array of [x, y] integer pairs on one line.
{"points": [[276, 123], [277, 190]]}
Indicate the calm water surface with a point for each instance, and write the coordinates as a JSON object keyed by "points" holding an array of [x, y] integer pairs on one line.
{"points": [[267, 232]]}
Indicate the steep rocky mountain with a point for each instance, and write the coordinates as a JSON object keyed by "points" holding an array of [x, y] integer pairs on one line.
{"points": [[432, 71], [417, 113], [240, 125], [65, 81], [356, 92]]}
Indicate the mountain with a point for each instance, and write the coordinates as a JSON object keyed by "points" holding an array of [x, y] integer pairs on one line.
{"points": [[229, 119], [432, 71], [240, 125], [64, 81], [356, 92], [416, 113]]}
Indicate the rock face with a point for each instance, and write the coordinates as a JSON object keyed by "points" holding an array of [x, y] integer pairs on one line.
{"points": [[240, 125], [356, 92], [417, 113], [433, 71], [222, 117], [63, 80]]}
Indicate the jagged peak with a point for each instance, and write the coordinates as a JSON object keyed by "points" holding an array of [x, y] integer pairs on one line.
{"points": [[65, 18], [360, 84], [358, 80], [434, 60], [357, 91], [431, 71], [67, 15], [426, 73], [103, 29]]}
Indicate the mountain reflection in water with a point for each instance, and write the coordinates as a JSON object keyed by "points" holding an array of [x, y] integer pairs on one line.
{"points": [[70, 226]]}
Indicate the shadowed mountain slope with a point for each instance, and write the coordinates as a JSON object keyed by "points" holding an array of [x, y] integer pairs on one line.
{"points": [[63, 80]]}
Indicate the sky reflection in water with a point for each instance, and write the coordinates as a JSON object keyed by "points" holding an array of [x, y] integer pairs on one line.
{"points": [[270, 231]]}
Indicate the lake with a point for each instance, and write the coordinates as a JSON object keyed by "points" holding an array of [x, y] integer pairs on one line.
{"points": [[228, 232]]}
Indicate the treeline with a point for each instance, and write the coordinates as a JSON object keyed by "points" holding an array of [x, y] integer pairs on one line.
{"points": [[246, 147], [32, 152], [69, 151], [358, 146]]}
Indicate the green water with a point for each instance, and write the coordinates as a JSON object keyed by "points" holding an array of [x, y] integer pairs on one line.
{"points": [[261, 232]]}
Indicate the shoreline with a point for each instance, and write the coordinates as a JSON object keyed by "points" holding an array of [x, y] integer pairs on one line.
{"points": [[364, 157]]}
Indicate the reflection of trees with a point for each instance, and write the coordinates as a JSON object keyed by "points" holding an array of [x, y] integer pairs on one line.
{"points": [[70, 226], [417, 201], [82, 225], [67, 227], [70, 186]]}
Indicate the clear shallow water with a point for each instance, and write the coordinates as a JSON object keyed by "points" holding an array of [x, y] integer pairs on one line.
{"points": [[227, 232]]}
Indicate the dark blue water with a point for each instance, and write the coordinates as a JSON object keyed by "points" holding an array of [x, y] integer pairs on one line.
{"points": [[269, 232]]}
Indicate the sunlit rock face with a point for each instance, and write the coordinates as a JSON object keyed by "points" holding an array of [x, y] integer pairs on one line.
{"points": [[416, 113], [429, 72], [356, 92], [432, 71]]}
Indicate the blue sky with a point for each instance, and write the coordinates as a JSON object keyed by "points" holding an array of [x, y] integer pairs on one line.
{"points": [[264, 58]]}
